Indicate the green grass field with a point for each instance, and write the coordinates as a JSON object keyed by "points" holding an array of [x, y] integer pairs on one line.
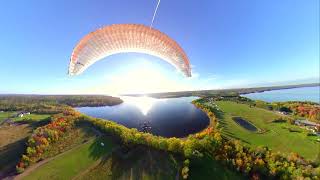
{"points": [[139, 163], [208, 168], [274, 135], [73, 162], [5, 115], [31, 117]]}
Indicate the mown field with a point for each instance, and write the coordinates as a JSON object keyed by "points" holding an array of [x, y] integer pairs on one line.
{"points": [[73, 162], [31, 117], [273, 135], [137, 163]]}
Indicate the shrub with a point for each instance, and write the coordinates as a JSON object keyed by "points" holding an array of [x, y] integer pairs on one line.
{"points": [[42, 137], [19, 169], [185, 169]]}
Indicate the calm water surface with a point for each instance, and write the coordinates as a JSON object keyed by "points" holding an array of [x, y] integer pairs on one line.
{"points": [[296, 94], [172, 117]]}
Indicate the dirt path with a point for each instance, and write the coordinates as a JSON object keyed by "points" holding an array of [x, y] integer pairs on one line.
{"points": [[37, 165]]}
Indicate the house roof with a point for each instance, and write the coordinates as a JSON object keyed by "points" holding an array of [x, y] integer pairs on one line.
{"points": [[306, 122]]}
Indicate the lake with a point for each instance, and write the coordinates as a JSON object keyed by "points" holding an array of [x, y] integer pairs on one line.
{"points": [[171, 117], [295, 94]]}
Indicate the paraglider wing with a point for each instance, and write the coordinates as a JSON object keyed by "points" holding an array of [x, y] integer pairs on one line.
{"points": [[123, 38]]}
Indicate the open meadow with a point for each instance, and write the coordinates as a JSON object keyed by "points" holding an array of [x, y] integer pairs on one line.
{"points": [[279, 136]]}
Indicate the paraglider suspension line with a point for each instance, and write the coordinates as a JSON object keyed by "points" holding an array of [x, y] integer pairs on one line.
{"points": [[155, 13]]}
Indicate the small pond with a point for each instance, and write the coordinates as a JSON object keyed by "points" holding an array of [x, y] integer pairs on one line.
{"points": [[170, 117], [245, 124]]}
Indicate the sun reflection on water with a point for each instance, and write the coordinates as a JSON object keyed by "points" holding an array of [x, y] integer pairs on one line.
{"points": [[144, 103]]}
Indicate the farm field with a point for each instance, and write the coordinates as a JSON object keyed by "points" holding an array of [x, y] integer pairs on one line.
{"points": [[273, 135], [14, 137]]}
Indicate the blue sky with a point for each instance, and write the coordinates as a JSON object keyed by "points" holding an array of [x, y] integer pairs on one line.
{"points": [[229, 43]]}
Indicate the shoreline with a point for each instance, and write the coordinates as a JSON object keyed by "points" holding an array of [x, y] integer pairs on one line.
{"points": [[232, 91]]}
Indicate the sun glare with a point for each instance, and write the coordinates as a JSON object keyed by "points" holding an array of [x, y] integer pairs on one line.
{"points": [[145, 79], [144, 104]]}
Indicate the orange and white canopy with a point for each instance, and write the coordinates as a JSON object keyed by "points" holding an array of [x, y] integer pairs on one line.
{"points": [[123, 38]]}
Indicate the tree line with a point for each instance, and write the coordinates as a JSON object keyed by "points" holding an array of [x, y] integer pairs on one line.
{"points": [[53, 104]]}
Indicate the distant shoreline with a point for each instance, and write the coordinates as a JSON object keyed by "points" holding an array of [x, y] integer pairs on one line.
{"points": [[236, 91], [272, 88]]}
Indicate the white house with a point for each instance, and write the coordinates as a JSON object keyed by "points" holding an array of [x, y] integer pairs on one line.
{"points": [[21, 114]]}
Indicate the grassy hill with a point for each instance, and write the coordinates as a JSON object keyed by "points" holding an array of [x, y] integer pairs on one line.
{"points": [[137, 163], [73, 162], [92, 161], [276, 136]]}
